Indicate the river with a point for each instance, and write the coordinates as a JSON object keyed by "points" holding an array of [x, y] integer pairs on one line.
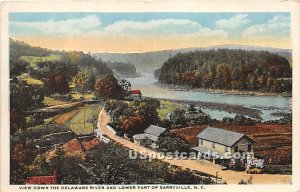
{"points": [[266, 104]]}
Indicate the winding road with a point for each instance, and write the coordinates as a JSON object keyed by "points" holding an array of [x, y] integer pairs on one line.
{"points": [[230, 176]]}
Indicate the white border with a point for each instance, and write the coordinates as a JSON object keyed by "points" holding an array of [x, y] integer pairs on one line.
{"points": [[292, 6]]}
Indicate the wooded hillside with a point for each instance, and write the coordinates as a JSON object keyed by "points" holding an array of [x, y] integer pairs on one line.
{"points": [[228, 69]]}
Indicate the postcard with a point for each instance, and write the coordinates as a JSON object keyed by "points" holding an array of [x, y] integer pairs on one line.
{"points": [[150, 95]]}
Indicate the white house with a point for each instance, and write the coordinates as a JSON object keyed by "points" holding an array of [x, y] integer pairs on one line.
{"points": [[149, 137], [224, 143]]}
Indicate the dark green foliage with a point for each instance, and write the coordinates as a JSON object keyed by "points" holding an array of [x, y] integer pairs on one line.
{"points": [[148, 109], [177, 117], [18, 49], [84, 61], [181, 177], [171, 143], [240, 120], [23, 97], [228, 69], [17, 67]]}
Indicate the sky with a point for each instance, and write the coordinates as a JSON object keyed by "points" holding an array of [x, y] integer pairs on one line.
{"points": [[143, 32]]}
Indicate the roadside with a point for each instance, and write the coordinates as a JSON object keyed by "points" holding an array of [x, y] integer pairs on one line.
{"points": [[231, 177]]}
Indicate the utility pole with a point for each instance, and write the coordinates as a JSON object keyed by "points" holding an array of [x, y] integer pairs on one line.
{"points": [[84, 117]]}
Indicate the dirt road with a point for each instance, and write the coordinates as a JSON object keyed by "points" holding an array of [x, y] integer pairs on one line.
{"points": [[231, 177]]}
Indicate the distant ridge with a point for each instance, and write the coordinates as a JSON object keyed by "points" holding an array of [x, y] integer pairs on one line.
{"points": [[155, 59]]}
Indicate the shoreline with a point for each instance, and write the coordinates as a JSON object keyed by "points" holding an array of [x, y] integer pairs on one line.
{"points": [[238, 109], [219, 91]]}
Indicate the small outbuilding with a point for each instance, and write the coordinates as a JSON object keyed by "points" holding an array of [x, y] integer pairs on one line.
{"points": [[149, 137]]}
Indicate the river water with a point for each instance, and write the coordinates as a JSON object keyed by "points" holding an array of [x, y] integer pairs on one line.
{"points": [[266, 104]]}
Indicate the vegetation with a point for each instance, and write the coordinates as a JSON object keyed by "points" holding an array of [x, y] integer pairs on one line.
{"points": [[133, 117], [171, 143], [111, 165], [85, 120], [22, 98], [124, 69], [110, 88], [168, 107], [50, 101], [33, 60], [228, 69], [83, 82]]}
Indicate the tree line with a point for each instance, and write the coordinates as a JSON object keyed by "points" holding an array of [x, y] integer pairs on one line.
{"points": [[73, 69], [228, 69]]}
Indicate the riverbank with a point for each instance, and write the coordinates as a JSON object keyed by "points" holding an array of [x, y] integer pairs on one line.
{"points": [[238, 109], [219, 91]]}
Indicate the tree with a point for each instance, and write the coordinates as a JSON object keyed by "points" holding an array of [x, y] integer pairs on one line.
{"points": [[58, 83], [148, 109], [17, 67], [22, 98], [83, 81], [126, 85], [61, 84], [171, 143], [109, 88], [177, 117], [134, 125]]}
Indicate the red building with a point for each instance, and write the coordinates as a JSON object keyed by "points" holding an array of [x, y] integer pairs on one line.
{"points": [[52, 179], [136, 94]]}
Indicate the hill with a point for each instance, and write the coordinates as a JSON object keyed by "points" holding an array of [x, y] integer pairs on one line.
{"points": [[123, 70], [42, 63], [155, 59], [228, 69]]}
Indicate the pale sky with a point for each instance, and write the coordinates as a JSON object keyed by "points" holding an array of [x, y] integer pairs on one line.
{"points": [[142, 32]]}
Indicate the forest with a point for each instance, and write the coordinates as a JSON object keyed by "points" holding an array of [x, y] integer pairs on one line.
{"points": [[124, 69], [228, 69]]}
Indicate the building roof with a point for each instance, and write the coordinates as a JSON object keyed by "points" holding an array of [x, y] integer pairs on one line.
{"points": [[221, 136], [139, 136], [155, 130], [135, 91], [211, 152]]}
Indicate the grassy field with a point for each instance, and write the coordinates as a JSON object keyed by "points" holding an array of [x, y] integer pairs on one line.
{"points": [[49, 101], [86, 96], [33, 59], [32, 81], [168, 107], [87, 114], [57, 99], [64, 118]]}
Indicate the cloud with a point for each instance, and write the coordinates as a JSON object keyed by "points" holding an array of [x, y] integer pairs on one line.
{"points": [[162, 27], [278, 26], [61, 27], [232, 22]]}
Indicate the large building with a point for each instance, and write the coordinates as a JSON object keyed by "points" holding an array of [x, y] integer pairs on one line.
{"points": [[149, 137], [221, 145]]}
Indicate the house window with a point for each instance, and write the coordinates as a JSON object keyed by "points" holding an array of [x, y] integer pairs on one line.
{"points": [[249, 147], [213, 145], [201, 142], [236, 149], [226, 149]]}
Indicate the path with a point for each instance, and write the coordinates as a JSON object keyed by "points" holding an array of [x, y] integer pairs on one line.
{"points": [[230, 176]]}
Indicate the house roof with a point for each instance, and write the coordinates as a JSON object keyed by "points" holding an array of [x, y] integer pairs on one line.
{"points": [[139, 136], [221, 136], [135, 91], [155, 130], [211, 151]]}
